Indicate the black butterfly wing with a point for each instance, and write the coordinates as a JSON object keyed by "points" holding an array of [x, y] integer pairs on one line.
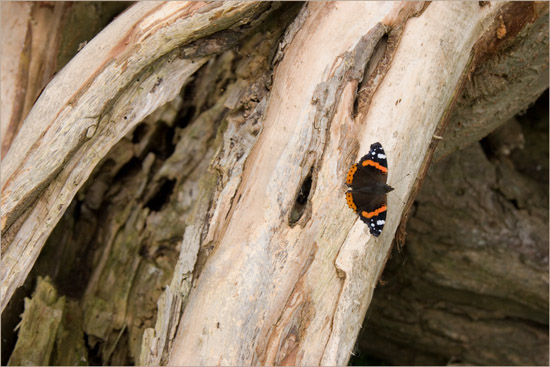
{"points": [[366, 203], [376, 223], [370, 208], [365, 179], [367, 175], [377, 155]]}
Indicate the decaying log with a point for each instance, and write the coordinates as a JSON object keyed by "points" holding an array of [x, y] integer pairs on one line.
{"points": [[44, 310], [273, 267], [111, 85]]}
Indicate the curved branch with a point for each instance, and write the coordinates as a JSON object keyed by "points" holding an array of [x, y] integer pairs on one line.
{"points": [[133, 66]]}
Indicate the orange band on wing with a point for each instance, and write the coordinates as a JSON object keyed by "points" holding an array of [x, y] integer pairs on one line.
{"points": [[374, 213], [349, 199], [351, 172], [368, 162]]}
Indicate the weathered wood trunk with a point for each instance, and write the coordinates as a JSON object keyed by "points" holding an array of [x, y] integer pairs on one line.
{"points": [[232, 126]]}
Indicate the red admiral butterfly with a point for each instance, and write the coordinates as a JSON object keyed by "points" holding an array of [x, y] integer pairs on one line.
{"points": [[368, 188]]}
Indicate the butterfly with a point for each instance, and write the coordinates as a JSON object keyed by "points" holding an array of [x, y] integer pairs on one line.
{"points": [[367, 188]]}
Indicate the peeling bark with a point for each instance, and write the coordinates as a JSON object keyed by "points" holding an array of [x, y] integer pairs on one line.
{"points": [[291, 325]]}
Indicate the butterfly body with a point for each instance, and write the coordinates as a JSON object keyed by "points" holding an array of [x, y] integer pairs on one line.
{"points": [[368, 188]]}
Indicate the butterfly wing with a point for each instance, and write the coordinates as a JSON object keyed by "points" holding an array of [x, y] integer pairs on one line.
{"points": [[376, 223], [364, 198], [377, 155]]}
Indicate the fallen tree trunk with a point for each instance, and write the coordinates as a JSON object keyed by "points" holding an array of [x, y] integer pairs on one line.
{"points": [[273, 269]]}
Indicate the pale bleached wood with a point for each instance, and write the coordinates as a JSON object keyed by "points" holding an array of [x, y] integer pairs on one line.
{"points": [[272, 293], [15, 17], [123, 74]]}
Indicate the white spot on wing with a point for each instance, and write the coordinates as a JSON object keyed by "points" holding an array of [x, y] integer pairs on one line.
{"points": [[380, 222], [381, 156]]}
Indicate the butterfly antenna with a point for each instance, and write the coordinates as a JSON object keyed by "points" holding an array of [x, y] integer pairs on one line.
{"points": [[402, 177], [397, 182]]}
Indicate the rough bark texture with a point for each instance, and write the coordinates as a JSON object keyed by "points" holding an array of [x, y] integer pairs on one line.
{"points": [[471, 285], [247, 165]]}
